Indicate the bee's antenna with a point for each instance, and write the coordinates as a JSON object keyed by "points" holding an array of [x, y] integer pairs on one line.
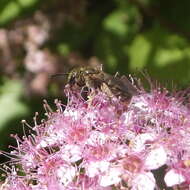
{"points": [[59, 75]]}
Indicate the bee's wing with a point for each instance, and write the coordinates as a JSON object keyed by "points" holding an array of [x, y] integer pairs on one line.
{"points": [[127, 86]]}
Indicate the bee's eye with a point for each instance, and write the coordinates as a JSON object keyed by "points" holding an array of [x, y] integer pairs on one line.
{"points": [[90, 71]]}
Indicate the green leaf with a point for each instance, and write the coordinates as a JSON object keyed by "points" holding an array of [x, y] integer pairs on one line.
{"points": [[116, 23], [10, 105], [164, 57], [13, 9], [9, 12], [139, 52], [27, 3]]}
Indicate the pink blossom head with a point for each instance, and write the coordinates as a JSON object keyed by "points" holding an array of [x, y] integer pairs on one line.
{"points": [[99, 142]]}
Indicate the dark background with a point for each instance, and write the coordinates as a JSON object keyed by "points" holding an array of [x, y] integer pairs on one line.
{"points": [[41, 38]]}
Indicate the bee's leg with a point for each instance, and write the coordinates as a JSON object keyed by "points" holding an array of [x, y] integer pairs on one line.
{"points": [[105, 88], [116, 75], [84, 93], [91, 98]]}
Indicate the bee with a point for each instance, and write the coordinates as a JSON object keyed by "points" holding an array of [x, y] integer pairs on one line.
{"points": [[83, 76], [91, 78]]}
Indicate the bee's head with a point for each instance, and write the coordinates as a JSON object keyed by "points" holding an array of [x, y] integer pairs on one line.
{"points": [[80, 75]]}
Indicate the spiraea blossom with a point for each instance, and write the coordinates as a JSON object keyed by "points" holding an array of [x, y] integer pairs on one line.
{"points": [[105, 143]]}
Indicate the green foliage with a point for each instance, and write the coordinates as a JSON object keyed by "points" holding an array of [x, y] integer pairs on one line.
{"points": [[26, 3], [139, 52], [116, 23], [123, 22], [10, 103], [11, 9], [63, 49], [166, 55], [12, 109]]}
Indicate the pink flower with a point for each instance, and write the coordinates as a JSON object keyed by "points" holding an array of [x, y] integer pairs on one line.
{"points": [[104, 143]]}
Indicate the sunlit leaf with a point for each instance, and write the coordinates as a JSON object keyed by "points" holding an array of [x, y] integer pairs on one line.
{"points": [[10, 11], [116, 22], [10, 105], [26, 3], [167, 56], [123, 21], [139, 52], [14, 8]]}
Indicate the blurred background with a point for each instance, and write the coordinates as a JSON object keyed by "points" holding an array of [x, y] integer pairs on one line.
{"points": [[41, 38]]}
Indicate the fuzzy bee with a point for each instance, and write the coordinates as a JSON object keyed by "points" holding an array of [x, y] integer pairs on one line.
{"points": [[95, 78], [83, 76]]}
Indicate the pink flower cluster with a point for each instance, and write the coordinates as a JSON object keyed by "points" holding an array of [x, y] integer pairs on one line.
{"points": [[104, 143]]}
